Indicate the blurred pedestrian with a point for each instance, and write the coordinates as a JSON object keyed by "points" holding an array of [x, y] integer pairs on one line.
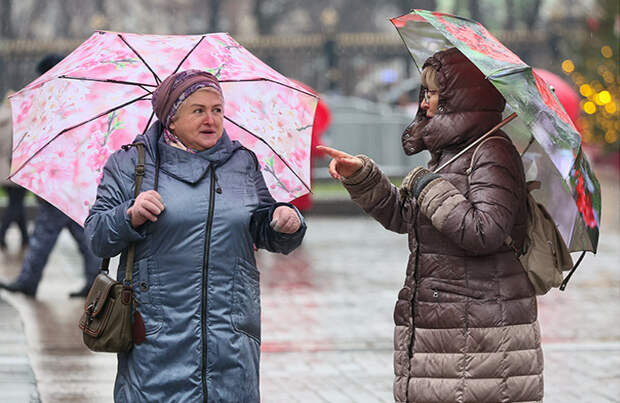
{"points": [[47, 226], [203, 206], [14, 211], [466, 318]]}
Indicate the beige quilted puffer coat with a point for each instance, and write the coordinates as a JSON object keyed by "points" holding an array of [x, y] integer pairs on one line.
{"points": [[466, 327]]}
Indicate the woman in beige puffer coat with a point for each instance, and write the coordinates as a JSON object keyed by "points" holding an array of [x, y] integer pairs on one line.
{"points": [[466, 317]]}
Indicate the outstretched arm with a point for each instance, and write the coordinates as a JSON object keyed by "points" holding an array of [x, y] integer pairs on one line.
{"points": [[370, 189]]}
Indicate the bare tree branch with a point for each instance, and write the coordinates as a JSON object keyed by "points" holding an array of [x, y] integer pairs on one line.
{"points": [[64, 22], [532, 13], [509, 23], [6, 27], [474, 10], [408, 5], [214, 15]]}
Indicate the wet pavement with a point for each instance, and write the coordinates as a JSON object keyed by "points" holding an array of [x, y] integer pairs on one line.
{"points": [[327, 321]]}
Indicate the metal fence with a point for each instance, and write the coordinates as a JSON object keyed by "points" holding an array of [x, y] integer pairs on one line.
{"points": [[364, 127]]}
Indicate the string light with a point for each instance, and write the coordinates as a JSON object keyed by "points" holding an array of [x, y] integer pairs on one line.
{"points": [[598, 82], [585, 90], [589, 108], [604, 97], [568, 66], [611, 136]]}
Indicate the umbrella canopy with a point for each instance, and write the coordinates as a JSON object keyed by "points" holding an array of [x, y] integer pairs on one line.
{"points": [[544, 134], [67, 122], [566, 94]]}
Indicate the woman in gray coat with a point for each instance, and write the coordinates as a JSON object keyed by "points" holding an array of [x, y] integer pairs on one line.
{"points": [[203, 207], [465, 320]]}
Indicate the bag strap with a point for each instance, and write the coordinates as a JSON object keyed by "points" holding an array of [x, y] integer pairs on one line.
{"points": [[131, 251], [508, 241]]}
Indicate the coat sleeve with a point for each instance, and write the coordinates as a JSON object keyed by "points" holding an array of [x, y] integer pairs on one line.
{"points": [[480, 221], [373, 192], [108, 226], [264, 236]]}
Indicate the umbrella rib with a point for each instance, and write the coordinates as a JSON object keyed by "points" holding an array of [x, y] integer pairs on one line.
{"points": [[148, 123], [269, 80], [107, 80], [271, 148], [528, 145], [507, 71], [188, 54], [157, 79], [140, 98], [19, 142], [484, 136], [410, 53]]}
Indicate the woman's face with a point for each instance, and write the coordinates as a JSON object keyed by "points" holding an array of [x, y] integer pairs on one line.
{"points": [[199, 122], [430, 102]]}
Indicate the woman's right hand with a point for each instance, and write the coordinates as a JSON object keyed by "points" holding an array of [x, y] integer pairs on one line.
{"points": [[147, 206], [342, 165]]}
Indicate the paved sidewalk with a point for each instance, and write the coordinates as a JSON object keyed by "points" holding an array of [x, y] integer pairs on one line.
{"points": [[17, 381], [327, 321]]}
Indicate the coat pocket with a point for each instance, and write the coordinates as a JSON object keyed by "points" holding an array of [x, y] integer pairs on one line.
{"points": [[444, 291], [146, 289], [246, 299]]}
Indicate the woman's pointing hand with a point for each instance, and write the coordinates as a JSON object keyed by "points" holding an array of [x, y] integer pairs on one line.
{"points": [[342, 165]]}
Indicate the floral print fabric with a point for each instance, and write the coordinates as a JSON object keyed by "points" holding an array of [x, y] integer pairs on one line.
{"points": [[68, 121]]}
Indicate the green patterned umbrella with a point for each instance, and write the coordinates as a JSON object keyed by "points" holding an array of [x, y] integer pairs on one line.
{"points": [[550, 145]]}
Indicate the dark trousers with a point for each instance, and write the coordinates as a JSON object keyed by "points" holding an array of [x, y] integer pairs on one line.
{"points": [[14, 213], [47, 226]]}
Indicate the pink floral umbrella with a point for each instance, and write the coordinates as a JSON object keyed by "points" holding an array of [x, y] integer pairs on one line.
{"points": [[67, 122]]}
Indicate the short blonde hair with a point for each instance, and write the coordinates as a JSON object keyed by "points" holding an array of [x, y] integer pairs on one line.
{"points": [[429, 78]]}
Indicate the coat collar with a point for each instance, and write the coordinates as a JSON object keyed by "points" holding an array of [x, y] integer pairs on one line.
{"points": [[183, 165]]}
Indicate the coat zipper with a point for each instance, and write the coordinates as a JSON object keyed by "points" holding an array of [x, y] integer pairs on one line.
{"points": [[415, 291], [415, 287], [205, 282]]}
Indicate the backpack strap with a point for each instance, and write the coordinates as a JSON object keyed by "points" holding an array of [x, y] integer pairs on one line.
{"points": [[508, 241]]}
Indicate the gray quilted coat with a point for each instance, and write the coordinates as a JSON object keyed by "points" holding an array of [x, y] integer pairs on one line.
{"points": [[466, 317], [194, 274]]}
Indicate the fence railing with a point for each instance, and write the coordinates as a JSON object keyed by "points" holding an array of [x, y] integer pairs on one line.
{"points": [[364, 127]]}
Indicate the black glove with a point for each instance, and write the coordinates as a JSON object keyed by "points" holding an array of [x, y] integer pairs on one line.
{"points": [[415, 181]]}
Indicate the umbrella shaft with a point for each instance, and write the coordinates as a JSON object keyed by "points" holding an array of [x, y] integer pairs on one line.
{"points": [[487, 134]]}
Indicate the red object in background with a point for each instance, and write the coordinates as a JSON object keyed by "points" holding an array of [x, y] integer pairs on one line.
{"points": [[565, 93], [322, 120]]}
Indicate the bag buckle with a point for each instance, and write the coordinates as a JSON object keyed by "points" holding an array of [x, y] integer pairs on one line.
{"points": [[90, 309]]}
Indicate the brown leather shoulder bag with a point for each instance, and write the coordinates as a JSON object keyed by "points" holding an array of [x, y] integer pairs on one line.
{"points": [[106, 322]]}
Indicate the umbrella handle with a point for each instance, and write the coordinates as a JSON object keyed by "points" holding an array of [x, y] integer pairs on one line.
{"points": [[487, 134]]}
